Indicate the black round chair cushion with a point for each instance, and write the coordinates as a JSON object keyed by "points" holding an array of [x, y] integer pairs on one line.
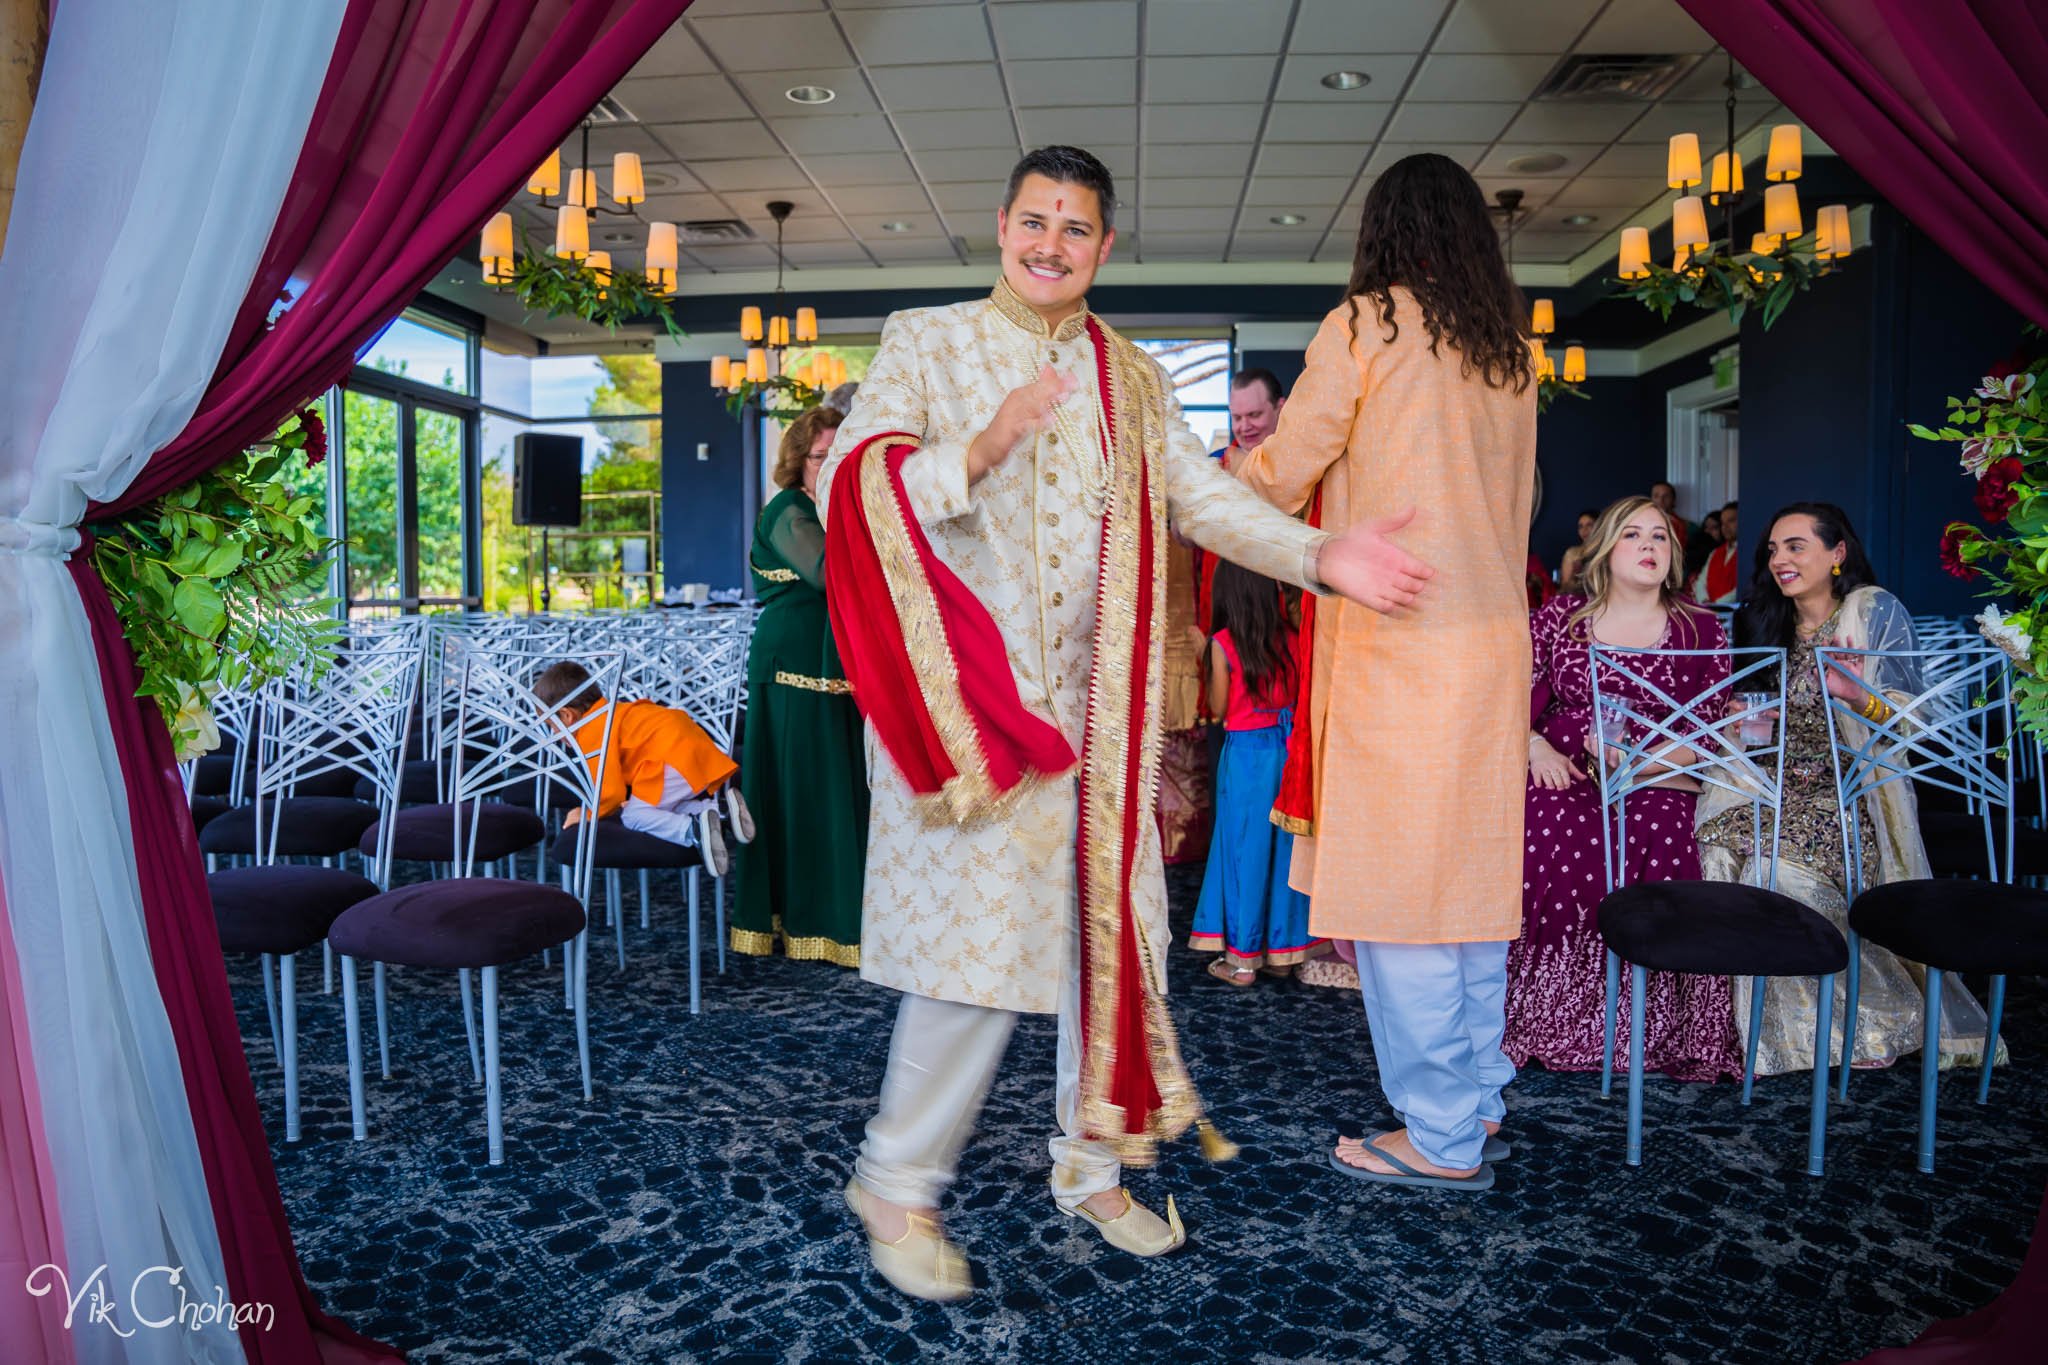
{"points": [[208, 808], [308, 827], [426, 834], [417, 784], [283, 908], [333, 782], [1955, 846], [213, 774], [627, 849], [465, 922], [1720, 929], [1958, 926]]}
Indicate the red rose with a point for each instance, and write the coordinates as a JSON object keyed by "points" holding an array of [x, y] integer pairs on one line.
{"points": [[1953, 539], [315, 428], [1995, 492]]}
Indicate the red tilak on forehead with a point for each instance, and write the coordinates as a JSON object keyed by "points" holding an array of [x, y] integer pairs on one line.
{"points": [[1058, 205]]}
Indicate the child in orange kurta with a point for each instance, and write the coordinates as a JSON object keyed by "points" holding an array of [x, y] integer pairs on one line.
{"points": [[665, 774]]}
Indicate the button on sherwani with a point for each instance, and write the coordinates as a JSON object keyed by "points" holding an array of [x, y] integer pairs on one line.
{"points": [[984, 913]]}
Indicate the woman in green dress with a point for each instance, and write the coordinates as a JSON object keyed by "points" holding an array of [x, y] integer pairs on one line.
{"points": [[802, 762]]}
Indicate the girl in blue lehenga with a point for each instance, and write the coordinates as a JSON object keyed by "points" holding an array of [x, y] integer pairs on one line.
{"points": [[1247, 909]]}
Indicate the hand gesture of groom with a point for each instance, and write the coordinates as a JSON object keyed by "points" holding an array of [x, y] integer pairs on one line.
{"points": [[1366, 566]]}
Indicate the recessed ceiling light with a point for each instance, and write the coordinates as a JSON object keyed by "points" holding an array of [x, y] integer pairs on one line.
{"points": [[1580, 219], [1287, 220], [1536, 163], [1346, 80], [811, 94], [897, 226]]}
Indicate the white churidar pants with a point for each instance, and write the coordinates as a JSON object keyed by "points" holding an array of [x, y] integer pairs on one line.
{"points": [[675, 819], [942, 1059], [1436, 1012]]}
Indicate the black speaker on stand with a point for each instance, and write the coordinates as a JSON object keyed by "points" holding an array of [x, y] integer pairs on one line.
{"points": [[547, 489]]}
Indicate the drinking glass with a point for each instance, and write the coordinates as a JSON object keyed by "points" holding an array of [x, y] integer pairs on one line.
{"points": [[1757, 728]]}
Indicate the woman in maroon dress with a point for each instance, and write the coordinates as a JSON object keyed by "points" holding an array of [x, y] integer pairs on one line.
{"points": [[1557, 969]]}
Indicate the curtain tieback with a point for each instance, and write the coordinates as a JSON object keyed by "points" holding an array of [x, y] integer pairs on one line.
{"points": [[19, 536]]}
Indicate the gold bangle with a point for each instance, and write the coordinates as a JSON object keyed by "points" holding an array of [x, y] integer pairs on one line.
{"points": [[1875, 709]]}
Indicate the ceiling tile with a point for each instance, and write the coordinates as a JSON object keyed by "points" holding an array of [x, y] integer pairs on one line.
{"points": [[759, 173], [1296, 192], [971, 196], [1466, 154], [922, 221], [1079, 126], [964, 85], [704, 8], [898, 4], [1105, 80], [1552, 246], [769, 90], [1201, 123], [1189, 28], [717, 139], [751, 256], [917, 37], [1309, 158], [959, 128], [1552, 219], [1450, 122], [871, 168], [1357, 124], [1207, 80], [1191, 217], [1301, 76], [1206, 245], [810, 227], [1661, 121], [831, 136], [1366, 25], [1057, 28], [1632, 159], [1278, 244], [1122, 163], [1575, 159], [967, 163], [1484, 76], [1206, 159], [1708, 81], [679, 99], [679, 208], [778, 42], [1562, 122], [1515, 25], [1608, 192], [817, 254], [1645, 26], [1165, 193], [669, 177], [675, 53], [857, 202], [605, 140]]}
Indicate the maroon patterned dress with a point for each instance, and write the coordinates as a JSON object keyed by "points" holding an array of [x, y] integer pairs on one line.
{"points": [[1557, 970]]}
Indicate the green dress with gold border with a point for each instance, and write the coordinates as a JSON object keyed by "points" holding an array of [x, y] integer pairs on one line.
{"points": [[802, 763]]}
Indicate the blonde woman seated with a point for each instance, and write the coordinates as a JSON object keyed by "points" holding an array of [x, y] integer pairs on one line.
{"points": [[1813, 588], [1557, 969]]}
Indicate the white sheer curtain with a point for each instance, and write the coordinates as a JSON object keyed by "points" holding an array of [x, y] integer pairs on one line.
{"points": [[163, 138]]}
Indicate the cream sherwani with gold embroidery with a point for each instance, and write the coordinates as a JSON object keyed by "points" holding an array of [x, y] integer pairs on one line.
{"points": [[984, 914]]}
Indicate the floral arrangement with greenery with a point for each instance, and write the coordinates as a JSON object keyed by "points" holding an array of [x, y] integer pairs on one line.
{"points": [[2002, 432], [220, 582], [1735, 281], [783, 397], [560, 287], [1549, 388]]}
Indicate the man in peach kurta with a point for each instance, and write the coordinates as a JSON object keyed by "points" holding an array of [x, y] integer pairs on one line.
{"points": [[1418, 719]]}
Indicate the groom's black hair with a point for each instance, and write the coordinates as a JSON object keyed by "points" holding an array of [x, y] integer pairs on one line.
{"points": [[1068, 166]]}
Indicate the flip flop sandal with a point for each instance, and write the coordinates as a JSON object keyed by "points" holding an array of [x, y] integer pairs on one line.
{"points": [[1230, 976], [1496, 1149], [1404, 1174]]}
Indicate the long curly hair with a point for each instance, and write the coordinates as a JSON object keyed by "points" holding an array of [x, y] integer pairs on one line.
{"points": [[1425, 228]]}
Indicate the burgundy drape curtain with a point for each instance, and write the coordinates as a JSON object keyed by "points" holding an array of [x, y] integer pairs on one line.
{"points": [[1940, 104], [431, 116]]}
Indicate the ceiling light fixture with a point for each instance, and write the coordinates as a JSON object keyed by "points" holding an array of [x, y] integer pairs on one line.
{"points": [[1536, 163], [575, 215], [1287, 220], [810, 94], [1580, 219], [896, 225], [1346, 80]]}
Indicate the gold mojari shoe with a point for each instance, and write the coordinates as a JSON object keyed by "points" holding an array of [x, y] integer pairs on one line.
{"points": [[920, 1263], [1137, 1229]]}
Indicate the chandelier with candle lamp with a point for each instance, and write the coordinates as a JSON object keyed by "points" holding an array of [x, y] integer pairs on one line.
{"points": [[571, 278], [782, 381], [1550, 384], [1713, 272]]}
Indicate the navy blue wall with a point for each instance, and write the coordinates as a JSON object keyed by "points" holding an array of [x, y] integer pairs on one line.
{"points": [[1827, 392], [708, 505]]}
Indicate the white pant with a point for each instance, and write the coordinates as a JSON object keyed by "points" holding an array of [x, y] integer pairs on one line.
{"points": [[675, 819], [942, 1059], [1437, 1012]]}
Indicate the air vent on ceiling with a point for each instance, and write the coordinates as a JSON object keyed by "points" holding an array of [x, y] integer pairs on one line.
{"points": [[610, 110], [1613, 76], [708, 231]]}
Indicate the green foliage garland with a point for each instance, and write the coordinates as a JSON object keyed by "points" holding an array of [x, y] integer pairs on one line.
{"points": [[218, 583], [1549, 388], [782, 397], [2002, 432], [1732, 281], [547, 283]]}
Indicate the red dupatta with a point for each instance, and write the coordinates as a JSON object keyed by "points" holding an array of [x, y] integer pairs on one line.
{"points": [[1294, 809], [933, 677]]}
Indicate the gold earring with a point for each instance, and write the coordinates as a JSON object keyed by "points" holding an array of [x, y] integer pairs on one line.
{"points": [[1836, 571]]}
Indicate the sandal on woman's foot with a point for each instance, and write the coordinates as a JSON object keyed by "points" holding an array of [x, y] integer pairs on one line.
{"points": [[1232, 976]]}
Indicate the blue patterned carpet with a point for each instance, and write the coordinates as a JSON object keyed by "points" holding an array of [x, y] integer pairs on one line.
{"points": [[692, 1211]]}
